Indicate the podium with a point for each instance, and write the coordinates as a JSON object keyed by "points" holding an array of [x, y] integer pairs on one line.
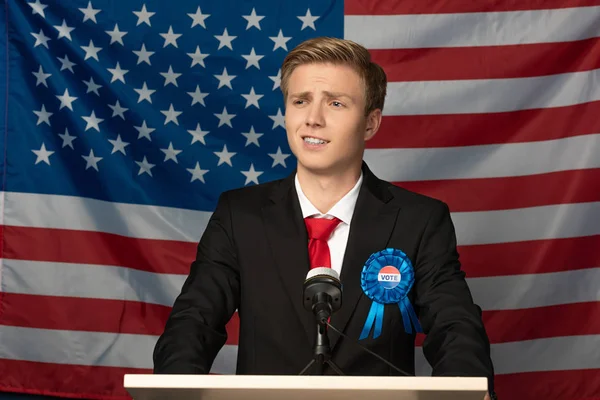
{"points": [[276, 387]]}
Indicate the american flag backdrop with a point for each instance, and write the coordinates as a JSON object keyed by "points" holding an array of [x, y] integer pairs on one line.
{"points": [[123, 121]]}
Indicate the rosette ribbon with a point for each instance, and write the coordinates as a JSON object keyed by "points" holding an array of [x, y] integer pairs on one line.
{"points": [[384, 293]]}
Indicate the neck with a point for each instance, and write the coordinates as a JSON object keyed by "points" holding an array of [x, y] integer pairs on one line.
{"points": [[324, 190]]}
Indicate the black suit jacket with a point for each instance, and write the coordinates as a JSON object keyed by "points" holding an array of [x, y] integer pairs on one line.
{"points": [[253, 257]]}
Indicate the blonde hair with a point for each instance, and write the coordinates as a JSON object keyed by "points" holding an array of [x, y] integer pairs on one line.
{"points": [[344, 52]]}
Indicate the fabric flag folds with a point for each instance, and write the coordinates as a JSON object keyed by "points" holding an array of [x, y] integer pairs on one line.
{"points": [[122, 122]]}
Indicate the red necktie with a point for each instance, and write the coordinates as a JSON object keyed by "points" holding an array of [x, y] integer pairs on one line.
{"points": [[319, 231]]}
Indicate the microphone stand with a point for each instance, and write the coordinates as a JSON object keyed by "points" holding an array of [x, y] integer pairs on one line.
{"points": [[322, 352]]}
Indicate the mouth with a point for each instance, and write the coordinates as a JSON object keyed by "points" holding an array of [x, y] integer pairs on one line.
{"points": [[314, 140]]}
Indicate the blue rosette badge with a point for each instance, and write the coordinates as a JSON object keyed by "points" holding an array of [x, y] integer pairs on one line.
{"points": [[386, 278]]}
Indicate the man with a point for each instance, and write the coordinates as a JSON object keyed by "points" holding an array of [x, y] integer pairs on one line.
{"points": [[261, 242]]}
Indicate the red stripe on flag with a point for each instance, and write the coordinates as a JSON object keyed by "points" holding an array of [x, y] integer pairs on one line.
{"points": [[453, 130], [556, 385], [530, 257], [370, 7], [44, 312], [55, 312], [72, 381], [578, 186], [489, 62], [532, 323], [115, 316], [84, 247]]}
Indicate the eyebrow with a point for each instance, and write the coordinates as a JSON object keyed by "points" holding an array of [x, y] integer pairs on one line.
{"points": [[327, 94]]}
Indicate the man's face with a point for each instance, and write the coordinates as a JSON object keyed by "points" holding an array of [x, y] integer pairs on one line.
{"points": [[325, 120]]}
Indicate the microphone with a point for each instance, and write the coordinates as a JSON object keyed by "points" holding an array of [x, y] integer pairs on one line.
{"points": [[322, 291]]}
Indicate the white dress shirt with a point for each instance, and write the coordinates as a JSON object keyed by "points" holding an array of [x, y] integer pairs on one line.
{"points": [[342, 210]]}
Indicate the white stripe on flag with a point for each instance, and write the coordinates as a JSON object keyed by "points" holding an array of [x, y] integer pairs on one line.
{"points": [[473, 29], [544, 222], [485, 161], [135, 351], [70, 212], [491, 95], [534, 223], [90, 281], [550, 354], [536, 290], [104, 282]]}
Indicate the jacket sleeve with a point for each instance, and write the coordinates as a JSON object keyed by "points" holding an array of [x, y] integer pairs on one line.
{"points": [[456, 342], [195, 330]]}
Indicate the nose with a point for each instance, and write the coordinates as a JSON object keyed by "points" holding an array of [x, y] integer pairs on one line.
{"points": [[315, 117]]}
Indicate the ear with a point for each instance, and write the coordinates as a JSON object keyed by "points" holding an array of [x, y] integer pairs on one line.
{"points": [[373, 123]]}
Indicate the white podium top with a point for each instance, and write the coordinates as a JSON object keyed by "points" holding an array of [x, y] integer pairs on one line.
{"points": [[290, 387]]}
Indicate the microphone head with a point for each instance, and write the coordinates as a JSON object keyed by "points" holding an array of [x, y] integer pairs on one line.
{"points": [[322, 271], [322, 284]]}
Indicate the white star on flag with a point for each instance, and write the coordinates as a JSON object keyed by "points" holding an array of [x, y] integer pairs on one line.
{"points": [[43, 115], [171, 115], [276, 80], [170, 76], [116, 36], [198, 96], [225, 40], [198, 134], [66, 100], [118, 73], [64, 30], [43, 155], [66, 63], [143, 16], [198, 18], [145, 93], [280, 41], [143, 55], [118, 145], [38, 8], [252, 137], [144, 131], [278, 119], [145, 166], [40, 39], [279, 158], [91, 161], [92, 86], [41, 77], [253, 20], [92, 122], [89, 13], [67, 139], [252, 98], [118, 110], [251, 175], [225, 79], [171, 153], [170, 37], [224, 156], [198, 57], [91, 51], [225, 118], [308, 21], [252, 59], [197, 173]]}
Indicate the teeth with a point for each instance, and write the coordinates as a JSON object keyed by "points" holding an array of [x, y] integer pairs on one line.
{"points": [[314, 141]]}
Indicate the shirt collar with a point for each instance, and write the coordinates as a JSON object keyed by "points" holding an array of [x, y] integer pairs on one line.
{"points": [[343, 209]]}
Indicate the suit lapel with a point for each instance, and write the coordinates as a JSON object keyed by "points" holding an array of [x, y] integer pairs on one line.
{"points": [[372, 223], [288, 240]]}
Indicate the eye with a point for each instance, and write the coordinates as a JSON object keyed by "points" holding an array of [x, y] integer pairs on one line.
{"points": [[337, 104], [298, 101]]}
